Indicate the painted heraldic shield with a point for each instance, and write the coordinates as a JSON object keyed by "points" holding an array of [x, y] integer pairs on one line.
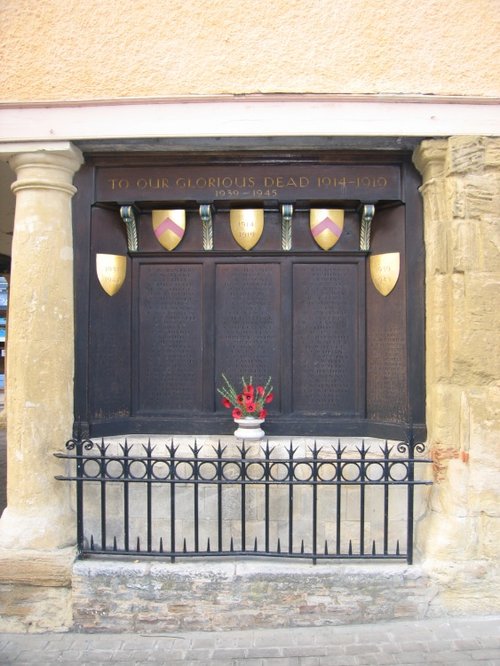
{"points": [[326, 225], [169, 227], [247, 225], [111, 271], [384, 271]]}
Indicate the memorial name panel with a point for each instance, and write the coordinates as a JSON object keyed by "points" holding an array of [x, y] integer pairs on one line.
{"points": [[325, 338], [387, 358], [387, 380], [109, 354], [247, 323], [170, 330], [109, 326]]}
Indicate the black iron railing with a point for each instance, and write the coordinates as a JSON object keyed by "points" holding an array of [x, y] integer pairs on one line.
{"points": [[275, 500]]}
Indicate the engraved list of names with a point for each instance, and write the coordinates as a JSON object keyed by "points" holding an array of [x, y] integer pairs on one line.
{"points": [[170, 338], [325, 338], [247, 321]]}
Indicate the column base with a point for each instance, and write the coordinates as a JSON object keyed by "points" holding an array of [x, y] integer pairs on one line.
{"points": [[43, 529], [35, 590]]}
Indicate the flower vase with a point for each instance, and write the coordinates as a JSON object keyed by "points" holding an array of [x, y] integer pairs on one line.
{"points": [[249, 428]]}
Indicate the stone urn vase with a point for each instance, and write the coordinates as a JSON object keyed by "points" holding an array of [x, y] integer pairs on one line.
{"points": [[249, 428]]}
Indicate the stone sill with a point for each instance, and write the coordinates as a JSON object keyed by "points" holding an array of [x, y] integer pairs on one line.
{"points": [[116, 595]]}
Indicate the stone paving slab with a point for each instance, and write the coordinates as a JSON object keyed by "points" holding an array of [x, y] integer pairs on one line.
{"points": [[462, 641]]}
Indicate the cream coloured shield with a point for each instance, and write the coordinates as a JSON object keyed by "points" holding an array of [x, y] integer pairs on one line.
{"points": [[111, 271], [384, 271], [326, 225], [169, 227], [247, 225]]}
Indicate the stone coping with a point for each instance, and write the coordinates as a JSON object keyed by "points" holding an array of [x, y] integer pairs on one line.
{"points": [[152, 596]]}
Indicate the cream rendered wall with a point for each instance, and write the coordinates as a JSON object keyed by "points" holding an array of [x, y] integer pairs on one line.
{"points": [[76, 50]]}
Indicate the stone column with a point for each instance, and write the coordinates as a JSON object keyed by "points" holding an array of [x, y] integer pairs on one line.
{"points": [[37, 529], [460, 536]]}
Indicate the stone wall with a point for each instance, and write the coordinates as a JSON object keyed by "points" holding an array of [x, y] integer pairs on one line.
{"points": [[460, 537], [206, 596], [35, 590]]}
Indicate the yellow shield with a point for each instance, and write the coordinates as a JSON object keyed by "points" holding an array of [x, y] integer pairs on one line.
{"points": [[111, 271], [169, 227], [326, 225], [247, 225], [384, 271]]}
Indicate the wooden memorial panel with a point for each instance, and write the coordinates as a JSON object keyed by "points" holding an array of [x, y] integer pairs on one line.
{"points": [[109, 325], [248, 182], [169, 335], [344, 358], [387, 355], [326, 338], [247, 323]]}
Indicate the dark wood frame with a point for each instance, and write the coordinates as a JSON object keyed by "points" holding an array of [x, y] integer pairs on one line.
{"points": [[219, 423]]}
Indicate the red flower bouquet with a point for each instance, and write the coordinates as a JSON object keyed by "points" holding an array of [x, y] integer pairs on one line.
{"points": [[250, 401]]}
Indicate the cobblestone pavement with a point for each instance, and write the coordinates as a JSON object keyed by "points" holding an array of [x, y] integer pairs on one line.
{"points": [[471, 640]]}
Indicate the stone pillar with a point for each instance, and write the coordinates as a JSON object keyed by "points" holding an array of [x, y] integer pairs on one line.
{"points": [[460, 536], [37, 529]]}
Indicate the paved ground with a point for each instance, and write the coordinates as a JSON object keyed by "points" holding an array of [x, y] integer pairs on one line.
{"points": [[440, 641]]}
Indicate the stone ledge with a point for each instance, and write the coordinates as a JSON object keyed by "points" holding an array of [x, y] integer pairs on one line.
{"points": [[152, 596], [37, 568]]}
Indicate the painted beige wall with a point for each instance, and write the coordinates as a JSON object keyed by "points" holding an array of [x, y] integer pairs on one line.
{"points": [[74, 50]]}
